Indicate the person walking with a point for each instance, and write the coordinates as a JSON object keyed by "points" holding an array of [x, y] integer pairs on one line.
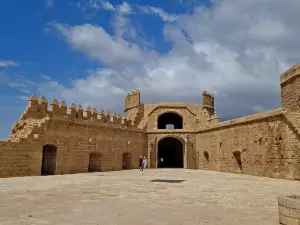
{"points": [[145, 162], [141, 163]]}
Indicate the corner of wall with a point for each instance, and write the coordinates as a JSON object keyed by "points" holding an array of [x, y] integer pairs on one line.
{"points": [[290, 89]]}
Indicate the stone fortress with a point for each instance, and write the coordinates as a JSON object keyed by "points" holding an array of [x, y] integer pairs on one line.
{"points": [[65, 140]]}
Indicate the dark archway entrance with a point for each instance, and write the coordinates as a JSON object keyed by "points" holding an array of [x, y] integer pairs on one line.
{"points": [[238, 159], [171, 151], [126, 161], [169, 121], [95, 162], [48, 160]]}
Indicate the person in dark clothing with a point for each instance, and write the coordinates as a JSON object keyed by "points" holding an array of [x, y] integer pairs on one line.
{"points": [[141, 163]]}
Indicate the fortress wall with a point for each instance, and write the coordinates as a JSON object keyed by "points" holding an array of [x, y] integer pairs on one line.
{"points": [[290, 88], [75, 141], [263, 144], [15, 159], [39, 108]]}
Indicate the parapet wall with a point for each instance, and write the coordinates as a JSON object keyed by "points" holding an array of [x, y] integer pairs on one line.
{"points": [[242, 120], [38, 108], [290, 88], [264, 144]]}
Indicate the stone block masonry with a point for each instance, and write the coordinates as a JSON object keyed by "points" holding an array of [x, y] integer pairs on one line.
{"points": [[263, 146], [289, 210], [55, 138]]}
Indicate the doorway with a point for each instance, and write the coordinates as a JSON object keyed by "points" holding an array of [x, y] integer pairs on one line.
{"points": [[49, 160], [126, 161], [95, 162], [170, 153]]}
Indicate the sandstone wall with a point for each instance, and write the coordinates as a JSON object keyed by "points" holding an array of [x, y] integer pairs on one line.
{"points": [[264, 144], [77, 135], [290, 88], [75, 141], [15, 159]]}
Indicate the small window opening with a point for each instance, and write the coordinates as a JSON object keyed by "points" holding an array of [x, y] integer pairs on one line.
{"points": [[170, 126]]}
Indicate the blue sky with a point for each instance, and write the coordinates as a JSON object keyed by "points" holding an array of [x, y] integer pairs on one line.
{"points": [[92, 52]]}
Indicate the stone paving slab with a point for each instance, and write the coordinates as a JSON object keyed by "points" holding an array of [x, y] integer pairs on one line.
{"points": [[129, 197]]}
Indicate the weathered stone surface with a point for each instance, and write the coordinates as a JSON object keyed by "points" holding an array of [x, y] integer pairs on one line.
{"points": [[290, 213]]}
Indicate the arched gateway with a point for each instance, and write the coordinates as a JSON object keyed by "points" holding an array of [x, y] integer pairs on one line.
{"points": [[170, 153], [169, 119]]}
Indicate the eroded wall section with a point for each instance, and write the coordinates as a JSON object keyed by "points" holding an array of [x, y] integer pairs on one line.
{"points": [[265, 144]]}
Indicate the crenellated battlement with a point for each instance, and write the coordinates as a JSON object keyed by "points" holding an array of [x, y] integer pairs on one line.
{"points": [[38, 108], [132, 100]]}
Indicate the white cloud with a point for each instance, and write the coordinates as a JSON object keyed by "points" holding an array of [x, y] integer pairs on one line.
{"points": [[8, 63], [16, 85], [167, 17], [96, 5], [125, 8], [108, 6], [98, 44], [45, 77], [101, 4], [236, 49]]}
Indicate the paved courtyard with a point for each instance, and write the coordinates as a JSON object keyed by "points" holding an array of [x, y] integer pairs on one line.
{"points": [[131, 197]]}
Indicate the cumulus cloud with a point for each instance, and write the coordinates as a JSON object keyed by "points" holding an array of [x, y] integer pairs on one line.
{"points": [[125, 8], [98, 44], [235, 49]]}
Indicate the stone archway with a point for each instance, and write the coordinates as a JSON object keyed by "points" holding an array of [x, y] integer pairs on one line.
{"points": [[95, 162], [170, 153], [49, 160], [170, 120], [126, 161]]}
